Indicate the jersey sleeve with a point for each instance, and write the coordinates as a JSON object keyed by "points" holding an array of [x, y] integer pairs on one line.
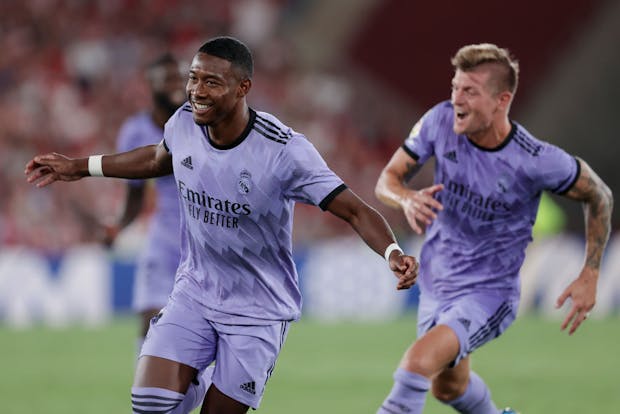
{"points": [[558, 170], [420, 144], [169, 128], [306, 177]]}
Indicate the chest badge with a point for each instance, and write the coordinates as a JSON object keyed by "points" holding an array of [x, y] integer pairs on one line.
{"points": [[244, 185]]}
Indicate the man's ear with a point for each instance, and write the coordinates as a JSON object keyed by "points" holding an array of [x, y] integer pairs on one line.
{"points": [[244, 87], [505, 98]]}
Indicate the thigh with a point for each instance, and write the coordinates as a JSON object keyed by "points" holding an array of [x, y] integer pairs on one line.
{"points": [[246, 357], [180, 334], [217, 402], [477, 319], [155, 372]]}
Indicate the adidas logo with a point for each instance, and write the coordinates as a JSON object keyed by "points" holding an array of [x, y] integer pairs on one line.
{"points": [[249, 387], [187, 162], [451, 155], [465, 323]]}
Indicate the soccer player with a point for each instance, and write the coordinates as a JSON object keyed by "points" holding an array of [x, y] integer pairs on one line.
{"points": [[238, 173], [158, 261], [478, 216]]}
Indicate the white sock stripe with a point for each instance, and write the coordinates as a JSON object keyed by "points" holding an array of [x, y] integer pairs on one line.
{"points": [[154, 400], [139, 411], [156, 397]]}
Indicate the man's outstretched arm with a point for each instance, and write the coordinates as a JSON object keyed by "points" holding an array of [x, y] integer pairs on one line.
{"points": [[375, 231], [597, 202], [144, 162]]}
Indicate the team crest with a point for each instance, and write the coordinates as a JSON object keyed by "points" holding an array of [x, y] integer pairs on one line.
{"points": [[244, 185], [502, 185], [416, 128]]}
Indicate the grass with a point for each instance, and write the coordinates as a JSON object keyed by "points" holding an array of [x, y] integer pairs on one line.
{"points": [[324, 368]]}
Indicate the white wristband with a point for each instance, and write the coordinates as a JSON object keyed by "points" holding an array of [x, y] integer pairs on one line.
{"points": [[94, 166], [390, 249]]}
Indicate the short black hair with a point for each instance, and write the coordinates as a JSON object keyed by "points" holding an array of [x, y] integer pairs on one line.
{"points": [[232, 50]]}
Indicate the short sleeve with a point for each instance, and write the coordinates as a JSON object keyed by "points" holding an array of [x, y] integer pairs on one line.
{"points": [[420, 144], [305, 175], [558, 170], [169, 128]]}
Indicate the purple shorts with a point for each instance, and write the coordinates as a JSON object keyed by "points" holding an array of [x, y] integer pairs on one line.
{"points": [[244, 355], [476, 318]]}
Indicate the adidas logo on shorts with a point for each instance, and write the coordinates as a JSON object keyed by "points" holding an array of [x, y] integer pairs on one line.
{"points": [[249, 387]]}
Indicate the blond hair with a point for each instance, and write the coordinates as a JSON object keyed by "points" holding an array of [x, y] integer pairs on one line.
{"points": [[472, 56]]}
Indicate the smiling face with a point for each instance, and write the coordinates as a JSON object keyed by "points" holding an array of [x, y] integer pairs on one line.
{"points": [[476, 104], [215, 90]]}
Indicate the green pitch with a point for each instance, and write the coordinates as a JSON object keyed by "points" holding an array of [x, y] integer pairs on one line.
{"points": [[324, 368]]}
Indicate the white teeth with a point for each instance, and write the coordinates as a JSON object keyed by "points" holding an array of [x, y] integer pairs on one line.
{"points": [[201, 106]]}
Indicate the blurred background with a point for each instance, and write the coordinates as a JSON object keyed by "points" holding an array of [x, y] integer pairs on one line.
{"points": [[352, 75]]}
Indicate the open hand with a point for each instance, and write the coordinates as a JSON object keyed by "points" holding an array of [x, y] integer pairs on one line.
{"points": [[582, 291], [420, 207], [45, 169]]}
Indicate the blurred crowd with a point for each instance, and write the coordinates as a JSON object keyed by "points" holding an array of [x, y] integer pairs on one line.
{"points": [[72, 70]]}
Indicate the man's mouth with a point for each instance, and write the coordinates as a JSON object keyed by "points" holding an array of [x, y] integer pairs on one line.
{"points": [[461, 115], [200, 107]]}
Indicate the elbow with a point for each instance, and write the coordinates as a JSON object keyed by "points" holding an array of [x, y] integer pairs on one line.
{"points": [[378, 192], [609, 198], [381, 188]]}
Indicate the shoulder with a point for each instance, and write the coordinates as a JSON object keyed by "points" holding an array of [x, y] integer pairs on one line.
{"points": [[182, 116], [441, 113], [180, 121], [272, 129], [183, 113], [436, 122], [527, 143]]}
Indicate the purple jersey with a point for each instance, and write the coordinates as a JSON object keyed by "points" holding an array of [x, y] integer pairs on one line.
{"points": [[237, 212], [159, 260], [490, 200]]}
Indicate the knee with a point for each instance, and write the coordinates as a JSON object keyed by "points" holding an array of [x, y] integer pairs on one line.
{"points": [[420, 364], [446, 390]]}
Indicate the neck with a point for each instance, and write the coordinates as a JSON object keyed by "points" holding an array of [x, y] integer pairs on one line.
{"points": [[230, 128], [493, 136]]}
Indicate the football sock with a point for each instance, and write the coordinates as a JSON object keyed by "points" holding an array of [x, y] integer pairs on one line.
{"points": [[408, 394], [154, 400], [196, 392], [476, 399]]}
